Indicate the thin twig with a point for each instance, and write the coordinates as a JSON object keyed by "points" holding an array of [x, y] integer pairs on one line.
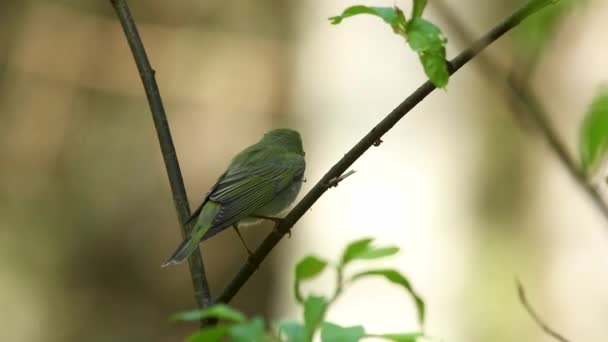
{"points": [[336, 180], [549, 133], [535, 316], [373, 137], [525, 106], [197, 270]]}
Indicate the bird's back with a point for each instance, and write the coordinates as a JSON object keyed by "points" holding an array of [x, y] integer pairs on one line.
{"points": [[259, 180]]}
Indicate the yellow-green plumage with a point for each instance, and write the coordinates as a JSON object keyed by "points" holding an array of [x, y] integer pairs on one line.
{"points": [[262, 180]]}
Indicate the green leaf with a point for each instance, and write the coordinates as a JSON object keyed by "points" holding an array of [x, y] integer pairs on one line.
{"points": [[427, 40], [211, 334], [418, 8], [307, 268], [423, 35], [397, 278], [252, 331], [435, 67], [355, 248], [294, 331], [334, 333], [362, 249], [389, 14], [219, 311], [403, 337], [314, 311], [594, 132], [381, 252]]}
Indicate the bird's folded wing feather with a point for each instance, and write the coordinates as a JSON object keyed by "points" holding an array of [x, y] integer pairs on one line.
{"points": [[252, 186]]}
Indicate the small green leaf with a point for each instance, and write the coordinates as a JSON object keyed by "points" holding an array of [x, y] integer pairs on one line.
{"points": [[435, 67], [418, 8], [403, 337], [397, 278], [307, 268], [294, 331], [389, 14], [211, 334], [355, 248], [381, 252], [427, 40], [423, 35], [594, 132], [334, 333], [219, 311], [314, 311], [362, 249], [252, 331]]}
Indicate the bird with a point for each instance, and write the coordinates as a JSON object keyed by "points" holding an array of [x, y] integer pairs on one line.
{"points": [[261, 181]]}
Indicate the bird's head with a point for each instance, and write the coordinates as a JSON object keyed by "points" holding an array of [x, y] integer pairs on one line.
{"points": [[287, 138]]}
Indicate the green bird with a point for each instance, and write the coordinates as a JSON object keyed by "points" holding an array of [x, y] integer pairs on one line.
{"points": [[261, 181]]}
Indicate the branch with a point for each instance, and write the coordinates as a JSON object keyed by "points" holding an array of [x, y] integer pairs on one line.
{"points": [[371, 139], [525, 105], [180, 199], [538, 115], [535, 316]]}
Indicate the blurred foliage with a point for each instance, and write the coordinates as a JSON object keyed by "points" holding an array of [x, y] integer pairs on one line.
{"points": [[594, 133], [536, 32], [314, 307]]}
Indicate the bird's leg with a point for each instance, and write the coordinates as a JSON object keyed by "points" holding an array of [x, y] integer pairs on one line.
{"points": [[236, 229], [276, 221]]}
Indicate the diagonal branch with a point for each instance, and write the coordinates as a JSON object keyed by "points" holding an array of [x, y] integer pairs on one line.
{"points": [[526, 106], [371, 139], [539, 116], [524, 301], [197, 270]]}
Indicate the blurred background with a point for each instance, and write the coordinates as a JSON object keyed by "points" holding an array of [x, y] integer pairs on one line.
{"points": [[472, 196]]}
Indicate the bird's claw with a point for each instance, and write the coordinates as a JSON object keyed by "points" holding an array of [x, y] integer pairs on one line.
{"points": [[278, 232]]}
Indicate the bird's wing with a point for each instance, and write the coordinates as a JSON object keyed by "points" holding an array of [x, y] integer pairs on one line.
{"points": [[234, 172], [252, 186], [194, 215]]}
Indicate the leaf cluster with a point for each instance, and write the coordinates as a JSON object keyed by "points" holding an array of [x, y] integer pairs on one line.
{"points": [[422, 36], [238, 328]]}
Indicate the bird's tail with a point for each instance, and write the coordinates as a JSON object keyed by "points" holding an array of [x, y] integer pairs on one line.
{"points": [[189, 245], [184, 250]]}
